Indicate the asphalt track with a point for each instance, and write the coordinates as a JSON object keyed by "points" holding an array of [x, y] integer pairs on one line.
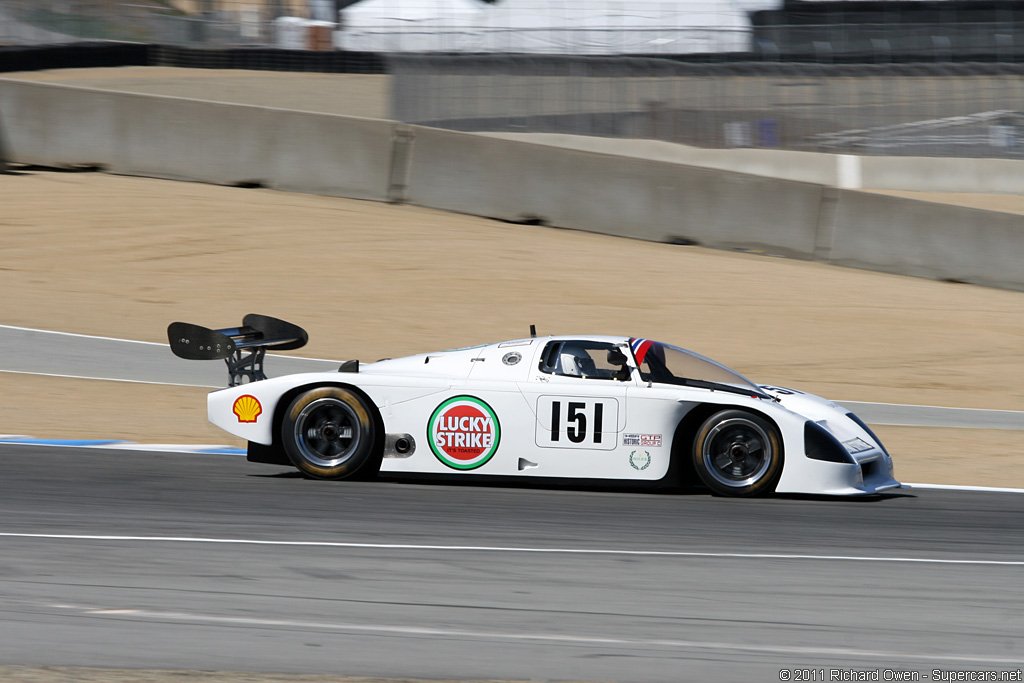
{"points": [[140, 560], [46, 352]]}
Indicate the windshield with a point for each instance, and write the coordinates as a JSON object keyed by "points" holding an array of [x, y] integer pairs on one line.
{"points": [[669, 364]]}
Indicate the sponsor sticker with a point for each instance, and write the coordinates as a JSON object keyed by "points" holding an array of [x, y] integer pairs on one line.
{"points": [[247, 408], [463, 432], [646, 440], [640, 460], [511, 358]]}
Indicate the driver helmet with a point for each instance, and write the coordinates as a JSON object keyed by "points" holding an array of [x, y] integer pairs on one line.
{"points": [[575, 361]]}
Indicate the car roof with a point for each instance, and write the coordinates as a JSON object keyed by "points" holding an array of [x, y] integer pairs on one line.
{"points": [[610, 339]]}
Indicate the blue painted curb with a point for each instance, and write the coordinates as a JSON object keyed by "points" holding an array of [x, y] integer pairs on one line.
{"points": [[62, 442], [121, 445]]}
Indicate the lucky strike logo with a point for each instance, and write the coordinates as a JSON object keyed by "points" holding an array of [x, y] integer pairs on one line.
{"points": [[463, 432]]}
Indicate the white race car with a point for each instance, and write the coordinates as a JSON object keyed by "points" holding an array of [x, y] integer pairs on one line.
{"points": [[570, 408]]}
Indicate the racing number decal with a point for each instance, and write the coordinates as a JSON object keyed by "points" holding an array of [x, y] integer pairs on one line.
{"points": [[577, 422], [781, 391], [577, 418]]}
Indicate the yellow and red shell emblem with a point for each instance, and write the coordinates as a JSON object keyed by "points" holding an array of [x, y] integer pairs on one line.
{"points": [[247, 408]]}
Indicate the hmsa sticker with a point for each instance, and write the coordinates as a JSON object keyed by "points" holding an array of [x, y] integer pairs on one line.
{"points": [[648, 440]]}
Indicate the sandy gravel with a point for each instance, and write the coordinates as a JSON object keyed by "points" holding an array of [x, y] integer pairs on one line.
{"points": [[365, 95], [119, 256], [1006, 203], [122, 257], [973, 457], [58, 408]]}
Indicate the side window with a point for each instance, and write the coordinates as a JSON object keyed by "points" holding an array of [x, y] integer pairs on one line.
{"points": [[586, 360], [645, 371]]}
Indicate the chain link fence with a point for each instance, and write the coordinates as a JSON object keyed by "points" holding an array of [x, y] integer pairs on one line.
{"points": [[210, 23], [763, 97], [930, 109], [703, 29], [573, 27], [610, 27]]}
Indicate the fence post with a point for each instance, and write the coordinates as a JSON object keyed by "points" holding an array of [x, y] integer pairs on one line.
{"points": [[401, 159]]}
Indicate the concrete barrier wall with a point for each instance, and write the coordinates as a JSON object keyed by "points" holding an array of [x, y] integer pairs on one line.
{"points": [[183, 139], [650, 200], [849, 171], [943, 174], [507, 179], [57, 126], [937, 241], [168, 137], [806, 167], [231, 144], [570, 188], [4, 153]]}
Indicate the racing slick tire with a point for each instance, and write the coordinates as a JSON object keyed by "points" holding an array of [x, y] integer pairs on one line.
{"points": [[737, 453], [328, 433]]}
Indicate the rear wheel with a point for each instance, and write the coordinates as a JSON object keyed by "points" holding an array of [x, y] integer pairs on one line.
{"points": [[737, 453], [328, 433]]}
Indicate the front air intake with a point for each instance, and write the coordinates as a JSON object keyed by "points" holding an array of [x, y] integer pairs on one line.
{"points": [[819, 444]]}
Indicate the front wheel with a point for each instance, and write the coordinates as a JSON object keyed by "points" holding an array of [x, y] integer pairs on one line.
{"points": [[737, 453], [328, 433]]}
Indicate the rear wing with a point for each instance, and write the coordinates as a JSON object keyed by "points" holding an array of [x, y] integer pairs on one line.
{"points": [[241, 348]]}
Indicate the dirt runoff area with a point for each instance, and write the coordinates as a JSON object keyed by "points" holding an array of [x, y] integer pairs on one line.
{"points": [[122, 257]]}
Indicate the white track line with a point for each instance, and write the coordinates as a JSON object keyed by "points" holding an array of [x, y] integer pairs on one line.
{"points": [[333, 360], [198, 449], [512, 549], [111, 379], [955, 487], [73, 334], [134, 341], [788, 650], [118, 445], [918, 405]]}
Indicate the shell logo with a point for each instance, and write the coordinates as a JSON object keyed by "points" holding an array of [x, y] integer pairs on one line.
{"points": [[247, 408]]}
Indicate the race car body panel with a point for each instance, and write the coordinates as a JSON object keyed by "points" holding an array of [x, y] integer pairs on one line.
{"points": [[580, 407]]}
